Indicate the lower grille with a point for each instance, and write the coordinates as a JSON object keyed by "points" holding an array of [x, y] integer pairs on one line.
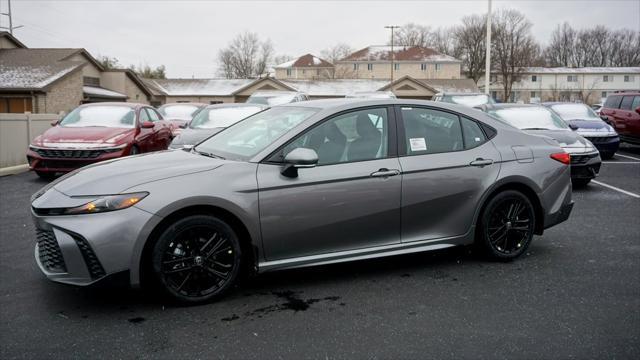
{"points": [[49, 252], [93, 264], [69, 154]]}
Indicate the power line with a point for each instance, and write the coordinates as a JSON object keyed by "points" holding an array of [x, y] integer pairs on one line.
{"points": [[392, 27], [8, 14]]}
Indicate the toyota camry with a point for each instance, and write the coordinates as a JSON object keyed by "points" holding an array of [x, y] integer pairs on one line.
{"points": [[304, 184]]}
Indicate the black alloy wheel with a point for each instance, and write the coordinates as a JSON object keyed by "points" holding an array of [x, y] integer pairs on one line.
{"points": [[197, 259], [508, 224]]}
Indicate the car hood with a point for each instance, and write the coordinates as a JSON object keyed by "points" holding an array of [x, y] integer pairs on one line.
{"points": [[116, 176], [591, 126], [85, 136], [569, 140], [191, 136]]}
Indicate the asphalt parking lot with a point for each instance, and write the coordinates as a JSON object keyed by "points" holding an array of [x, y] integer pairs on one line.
{"points": [[576, 294]]}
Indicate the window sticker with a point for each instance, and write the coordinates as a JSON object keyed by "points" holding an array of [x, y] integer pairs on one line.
{"points": [[477, 139], [418, 144]]}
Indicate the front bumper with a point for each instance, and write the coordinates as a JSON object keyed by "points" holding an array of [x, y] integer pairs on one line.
{"points": [[585, 166], [605, 144], [66, 160], [83, 249]]}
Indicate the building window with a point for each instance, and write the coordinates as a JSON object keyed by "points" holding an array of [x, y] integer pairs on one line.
{"points": [[607, 78], [215, 102], [288, 72], [533, 95], [355, 67], [572, 78], [304, 72], [91, 81], [629, 78], [494, 95], [396, 67], [370, 67], [534, 78], [604, 94], [317, 72], [493, 78], [15, 105], [438, 67], [423, 67]]}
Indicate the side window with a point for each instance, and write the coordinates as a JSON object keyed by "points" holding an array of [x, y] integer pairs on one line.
{"points": [[626, 103], [472, 133], [613, 102], [153, 115], [430, 131], [636, 103], [355, 136], [143, 116]]}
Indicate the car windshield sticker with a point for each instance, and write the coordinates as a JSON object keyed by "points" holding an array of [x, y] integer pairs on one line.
{"points": [[477, 139], [418, 144]]}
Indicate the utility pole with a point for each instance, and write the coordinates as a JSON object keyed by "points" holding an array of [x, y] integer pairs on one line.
{"points": [[392, 27], [8, 14], [487, 65]]}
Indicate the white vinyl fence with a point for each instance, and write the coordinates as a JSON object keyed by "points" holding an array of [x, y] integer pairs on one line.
{"points": [[16, 133]]}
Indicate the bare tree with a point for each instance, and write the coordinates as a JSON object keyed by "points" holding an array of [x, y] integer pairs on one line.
{"points": [[246, 56], [412, 34], [443, 41], [148, 72], [470, 42], [107, 62], [514, 47], [559, 52], [336, 52], [280, 59]]}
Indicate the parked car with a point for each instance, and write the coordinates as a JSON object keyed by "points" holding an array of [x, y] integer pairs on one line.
{"points": [[179, 114], [212, 120], [538, 120], [467, 99], [596, 108], [97, 132], [276, 97], [372, 95], [622, 111], [304, 184], [585, 122]]}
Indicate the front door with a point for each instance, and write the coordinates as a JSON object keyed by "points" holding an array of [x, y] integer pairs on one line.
{"points": [[350, 200], [447, 165]]}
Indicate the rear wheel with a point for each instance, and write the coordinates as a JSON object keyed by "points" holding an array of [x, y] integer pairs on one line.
{"points": [[507, 225], [134, 150], [578, 183], [197, 259], [46, 175]]}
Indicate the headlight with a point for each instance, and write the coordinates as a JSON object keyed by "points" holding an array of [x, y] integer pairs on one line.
{"points": [[107, 203]]}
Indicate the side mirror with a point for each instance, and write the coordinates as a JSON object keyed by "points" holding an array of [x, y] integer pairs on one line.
{"points": [[55, 122], [299, 158], [147, 125], [604, 118], [638, 110], [573, 127]]}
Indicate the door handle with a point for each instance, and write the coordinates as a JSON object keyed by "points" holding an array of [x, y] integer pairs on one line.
{"points": [[480, 162], [384, 172]]}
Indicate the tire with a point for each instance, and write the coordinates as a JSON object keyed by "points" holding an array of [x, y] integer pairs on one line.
{"points": [[45, 175], [507, 224], [196, 259], [578, 183], [134, 150], [607, 155]]}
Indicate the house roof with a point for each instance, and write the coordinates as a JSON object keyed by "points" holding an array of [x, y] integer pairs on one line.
{"points": [[582, 70], [307, 60], [198, 87], [16, 42], [335, 87], [451, 85], [400, 53], [34, 69], [100, 92]]}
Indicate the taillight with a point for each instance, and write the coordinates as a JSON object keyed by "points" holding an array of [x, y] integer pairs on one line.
{"points": [[563, 157]]}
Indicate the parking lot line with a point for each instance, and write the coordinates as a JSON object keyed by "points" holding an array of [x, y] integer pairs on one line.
{"points": [[621, 162], [628, 157], [616, 189]]}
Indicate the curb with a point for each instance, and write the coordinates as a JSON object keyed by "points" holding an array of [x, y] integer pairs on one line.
{"points": [[13, 170]]}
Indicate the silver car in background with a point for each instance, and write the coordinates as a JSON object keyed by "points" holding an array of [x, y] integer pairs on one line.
{"points": [[276, 97], [304, 184]]}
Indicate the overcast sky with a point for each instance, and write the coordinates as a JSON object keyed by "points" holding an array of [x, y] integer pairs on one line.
{"points": [[185, 36]]}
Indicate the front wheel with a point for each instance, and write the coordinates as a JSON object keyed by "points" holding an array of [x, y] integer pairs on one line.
{"points": [[507, 225], [197, 259]]}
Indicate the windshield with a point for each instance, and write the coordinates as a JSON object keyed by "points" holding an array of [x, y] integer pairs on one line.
{"points": [[271, 100], [247, 138], [530, 118], [182, 111], [468, 100], [100, 116], [575, 112], [221, 117]]}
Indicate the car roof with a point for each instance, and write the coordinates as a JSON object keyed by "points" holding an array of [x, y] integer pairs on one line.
{"points": [[126, 104], [275, 92], [184, 103], [230, 105], [551, 103], [625, 93]]}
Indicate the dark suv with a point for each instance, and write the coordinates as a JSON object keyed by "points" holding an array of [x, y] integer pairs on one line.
{"points": [[622, 111]]}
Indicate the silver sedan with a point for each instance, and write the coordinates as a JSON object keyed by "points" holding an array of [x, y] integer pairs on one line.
{"points": [[304, 184]]}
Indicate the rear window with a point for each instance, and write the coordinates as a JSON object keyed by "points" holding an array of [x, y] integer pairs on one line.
{"points": [[626, 102], [613, 102]]}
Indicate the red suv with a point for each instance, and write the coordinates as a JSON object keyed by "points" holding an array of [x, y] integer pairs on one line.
{"points": [[96, 132], [622, 111]]}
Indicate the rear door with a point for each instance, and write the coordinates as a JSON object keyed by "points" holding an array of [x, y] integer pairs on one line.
{"points": [[626, 116], [634, 120], [612, 111], [146, 137], [350, 200], [447, 164]]}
